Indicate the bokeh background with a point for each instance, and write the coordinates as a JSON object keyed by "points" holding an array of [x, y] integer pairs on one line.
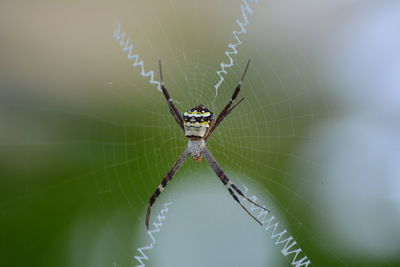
{"points": [[85, 139]]}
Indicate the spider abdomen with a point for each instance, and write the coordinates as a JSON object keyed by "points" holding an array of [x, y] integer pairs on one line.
{"points": [[197, 121]]}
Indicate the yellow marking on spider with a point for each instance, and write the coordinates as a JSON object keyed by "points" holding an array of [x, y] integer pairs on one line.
{"points": [[197, 113], [201, 123]]}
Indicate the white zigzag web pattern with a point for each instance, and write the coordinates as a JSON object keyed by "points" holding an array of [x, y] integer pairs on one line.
{"points": [[157, 226], [290, 249], [245, 8], [280, 235], [128, 47]]}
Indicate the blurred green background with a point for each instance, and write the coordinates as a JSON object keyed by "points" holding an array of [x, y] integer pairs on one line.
{"points": [[85, 139]]}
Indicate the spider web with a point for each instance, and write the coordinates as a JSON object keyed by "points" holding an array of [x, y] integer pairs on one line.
{"points": [[127, 141], [241, 151]]}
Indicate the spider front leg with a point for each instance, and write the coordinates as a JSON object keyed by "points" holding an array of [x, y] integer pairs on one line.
{"points": [[164, 183], [174, 111], [225, 180], [228, 108]]}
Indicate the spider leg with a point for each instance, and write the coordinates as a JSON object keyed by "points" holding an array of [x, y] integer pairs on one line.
{"points": [[234, 106], [164, 183], [228, 107], [221, 117], [248, 199], [174, 111], [238, 201], [225, 180]]}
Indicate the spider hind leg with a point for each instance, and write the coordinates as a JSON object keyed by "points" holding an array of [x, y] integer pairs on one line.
{"points": [[240, 203], [230, 186], [248, 199], [164, 183]]}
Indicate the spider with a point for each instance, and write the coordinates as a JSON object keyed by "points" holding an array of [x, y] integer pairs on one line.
{"points": [[198, 124]]}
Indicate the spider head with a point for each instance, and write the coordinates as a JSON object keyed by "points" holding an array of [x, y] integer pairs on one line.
{"points": [[197, 122]]}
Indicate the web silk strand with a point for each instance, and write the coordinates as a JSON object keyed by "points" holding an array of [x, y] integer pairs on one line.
{"points": [[128, 47], [279, 235], [156, 229], [232, 51]]}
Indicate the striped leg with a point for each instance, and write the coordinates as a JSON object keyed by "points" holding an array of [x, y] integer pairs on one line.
{"points": [[225, 180], [164, 183], [174, 111], [238, 201], [228, 108]]}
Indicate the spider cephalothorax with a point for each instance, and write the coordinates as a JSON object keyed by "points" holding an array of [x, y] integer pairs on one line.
{"points": [[198, 124]]}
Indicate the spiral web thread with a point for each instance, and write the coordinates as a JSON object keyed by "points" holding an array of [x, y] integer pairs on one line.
{"points": [[290, 248]]}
